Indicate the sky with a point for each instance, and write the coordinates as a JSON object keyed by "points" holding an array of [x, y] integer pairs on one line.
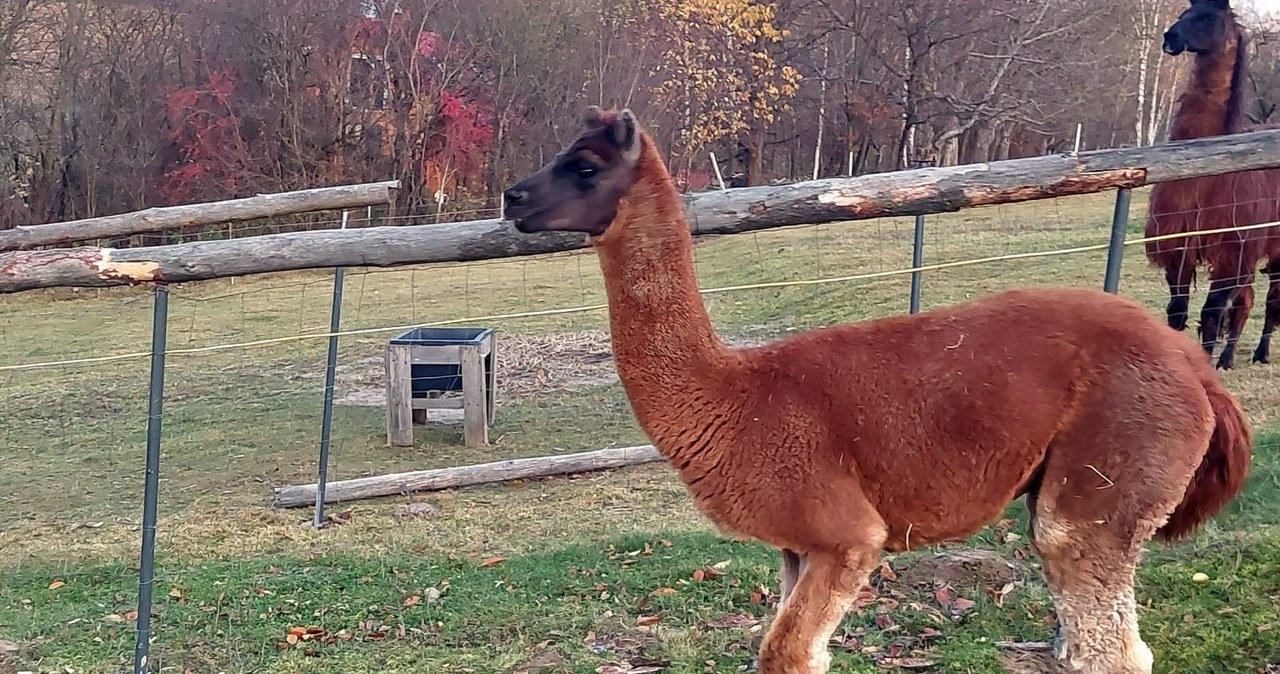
{"points": [[1266, 6]]}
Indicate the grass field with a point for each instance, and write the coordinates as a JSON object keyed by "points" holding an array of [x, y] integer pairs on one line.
{"points": [[610, 572]]}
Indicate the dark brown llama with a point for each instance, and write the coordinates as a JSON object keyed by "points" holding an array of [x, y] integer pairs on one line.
{"points": [[1211, 105], [836, 444]]}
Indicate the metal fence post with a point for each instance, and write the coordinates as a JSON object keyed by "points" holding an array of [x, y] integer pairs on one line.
{"points": [[917, 259], [917, 250], [330, 375], [151, 489], [1115, 250]]}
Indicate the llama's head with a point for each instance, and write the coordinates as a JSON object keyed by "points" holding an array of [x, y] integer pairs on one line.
{"points": [[579, 189], [1204, 28]]}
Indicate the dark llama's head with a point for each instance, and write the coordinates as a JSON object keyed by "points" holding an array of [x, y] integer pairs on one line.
{"points": [[579, 189], [1205, 28]]}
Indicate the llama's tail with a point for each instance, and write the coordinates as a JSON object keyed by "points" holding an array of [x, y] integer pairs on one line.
{"points": [[1223, 469]]}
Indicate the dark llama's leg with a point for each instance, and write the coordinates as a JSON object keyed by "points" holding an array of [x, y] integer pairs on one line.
{"points": [[1223, 288], [1263, 352], [796, 642], [792, 567], [1237, 316], [1179, 279]]}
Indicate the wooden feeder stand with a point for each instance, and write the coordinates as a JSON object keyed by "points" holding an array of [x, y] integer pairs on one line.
{"points": [[424, 362]]}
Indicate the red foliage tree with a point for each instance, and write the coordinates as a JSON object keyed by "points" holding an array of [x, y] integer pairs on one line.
{"points": [[211, 157]]}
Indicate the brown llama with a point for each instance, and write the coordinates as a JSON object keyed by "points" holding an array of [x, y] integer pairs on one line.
{"points": [[836, 444], [1212, 105]]}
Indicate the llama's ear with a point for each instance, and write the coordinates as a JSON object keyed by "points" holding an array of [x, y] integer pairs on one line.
{"points": [[593, 117], [626, 134]]}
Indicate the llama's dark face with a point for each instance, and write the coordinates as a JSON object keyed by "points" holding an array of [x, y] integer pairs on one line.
{"points": [[1202, 29], [579, 189]]}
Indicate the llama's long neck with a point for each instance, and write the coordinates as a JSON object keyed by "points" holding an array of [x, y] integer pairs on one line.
{"points": [[1213, 103], [668, 357]]}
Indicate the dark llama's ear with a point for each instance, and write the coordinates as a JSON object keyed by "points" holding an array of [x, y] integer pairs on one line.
{"points": [[593, 117], [626, 134]]}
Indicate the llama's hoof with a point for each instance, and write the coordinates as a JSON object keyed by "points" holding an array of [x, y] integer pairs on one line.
{"points": [[1226, 363], [1059, 643], [1261, 356]]}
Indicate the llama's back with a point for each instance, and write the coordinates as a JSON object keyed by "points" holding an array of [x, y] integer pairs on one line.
{"points": [[1258, 196], [1209, 203]]}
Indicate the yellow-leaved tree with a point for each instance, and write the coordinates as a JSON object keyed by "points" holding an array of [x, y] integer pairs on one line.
{"points": [[716, 72]]}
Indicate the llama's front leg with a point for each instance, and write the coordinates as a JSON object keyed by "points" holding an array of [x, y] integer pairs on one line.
{"points": [[792, 567], [797, 640]]}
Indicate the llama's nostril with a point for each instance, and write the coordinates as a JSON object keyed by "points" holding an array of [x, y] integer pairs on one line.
{"points": [[514, 196]]}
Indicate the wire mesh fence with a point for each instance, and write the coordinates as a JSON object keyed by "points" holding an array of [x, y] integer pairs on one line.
{"points": [[244, 400]]}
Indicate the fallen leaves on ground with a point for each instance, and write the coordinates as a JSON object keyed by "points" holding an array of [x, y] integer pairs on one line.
{"points": [[57, 583], [338, 519], [998, 596], [492, 561], [946, 596], [297, 636], [708, 573]]}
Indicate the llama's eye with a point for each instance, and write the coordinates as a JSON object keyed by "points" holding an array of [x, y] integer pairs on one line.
{"points": [[585, 171]]}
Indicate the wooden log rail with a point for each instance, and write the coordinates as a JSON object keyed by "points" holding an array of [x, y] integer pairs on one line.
{"points": [[294, 496], [928, 190], [193, 215]]}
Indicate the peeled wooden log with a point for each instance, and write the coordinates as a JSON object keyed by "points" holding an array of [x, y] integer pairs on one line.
{"points": [[192, 215], [928, 190], [466, 476]]}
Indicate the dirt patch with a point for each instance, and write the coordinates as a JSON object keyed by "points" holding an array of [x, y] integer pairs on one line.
{"points": [[528, 366], [962, 568], [549, 660], [1037, 662], [10, 655]]}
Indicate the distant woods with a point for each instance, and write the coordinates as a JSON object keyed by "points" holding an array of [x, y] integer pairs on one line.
{"points": [[109, 106]]}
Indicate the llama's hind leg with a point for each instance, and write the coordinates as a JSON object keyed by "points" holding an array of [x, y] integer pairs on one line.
{"points": [[1111, 479], [1092, 590], [1223, 290], [1237, 315], [1263, 353]]}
